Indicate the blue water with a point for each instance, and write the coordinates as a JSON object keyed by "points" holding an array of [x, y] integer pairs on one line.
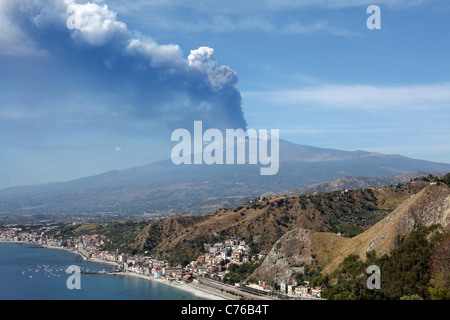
{"points": [[28, 272]]}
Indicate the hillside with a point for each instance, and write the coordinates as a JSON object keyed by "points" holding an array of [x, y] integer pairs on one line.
{"points": [[428, 207], [360, 182], [262, 222], [327, 250], [163, 189]]}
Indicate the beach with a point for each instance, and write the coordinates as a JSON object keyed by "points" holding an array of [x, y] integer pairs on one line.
{"points": [[186, 287], [197, 290]]}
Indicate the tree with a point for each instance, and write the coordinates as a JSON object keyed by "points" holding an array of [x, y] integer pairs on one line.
{"points": [[440, 270], [237, 273], [348, 282], [446, 179], [413, 297], [417, 269], [407, 271]]}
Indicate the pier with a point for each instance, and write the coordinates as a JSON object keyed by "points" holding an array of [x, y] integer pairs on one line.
{"points": [[107, 273]]}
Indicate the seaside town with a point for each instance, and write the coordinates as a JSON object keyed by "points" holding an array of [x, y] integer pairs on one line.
{"points": [[205, 274]]}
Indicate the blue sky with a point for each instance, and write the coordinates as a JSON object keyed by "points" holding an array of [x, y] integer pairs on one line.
{"points": [[106, 94]]}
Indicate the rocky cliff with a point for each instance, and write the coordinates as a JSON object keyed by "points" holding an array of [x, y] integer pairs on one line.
{"points": [[327, 250], [287, 256]]}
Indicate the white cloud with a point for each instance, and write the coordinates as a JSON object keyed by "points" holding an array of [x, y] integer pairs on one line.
{"points": [[240, 22], [366, 97], [257, 6], [250, 15], [298, 27], [336, 4], [157, 54], [202, 59], [157, 74], [95, 24]]}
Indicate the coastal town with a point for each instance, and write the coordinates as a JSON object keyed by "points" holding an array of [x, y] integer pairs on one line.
{"points": [[205, 274]]}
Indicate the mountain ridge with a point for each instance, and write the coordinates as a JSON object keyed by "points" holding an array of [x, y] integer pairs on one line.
{"points": [[163, 189], [314, 230], [265, 221], [429, 206]]}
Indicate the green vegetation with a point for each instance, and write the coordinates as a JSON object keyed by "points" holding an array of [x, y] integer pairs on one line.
{"points": [[181, 256], [118, 235], [440, 270], [417, 269], [260, 223], [348, 282], [309, 274], [189, 250], [413, 297], [347, 229], [446, 179], [407, 271], [240, 273]]}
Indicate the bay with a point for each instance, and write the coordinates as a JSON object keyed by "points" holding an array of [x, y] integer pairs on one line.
{"points": [[29, 272]]}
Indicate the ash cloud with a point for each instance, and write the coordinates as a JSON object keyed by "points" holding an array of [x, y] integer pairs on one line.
{"points": [[82, 47]]}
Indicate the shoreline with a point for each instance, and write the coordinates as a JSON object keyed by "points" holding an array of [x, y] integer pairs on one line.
{"points": [[198, 292], [185, 287]]}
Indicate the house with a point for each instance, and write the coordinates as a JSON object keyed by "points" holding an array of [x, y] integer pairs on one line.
{"points": [[157, 272], [187, 277], [302, 291], [174, 272], [316, 292], [290, 288]]}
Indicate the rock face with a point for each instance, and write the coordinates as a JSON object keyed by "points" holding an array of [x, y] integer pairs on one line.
{"points": [[429, 206], [286, 257]]}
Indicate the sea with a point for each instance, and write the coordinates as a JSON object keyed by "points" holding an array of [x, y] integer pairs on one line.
{"points": [[29, 272]]}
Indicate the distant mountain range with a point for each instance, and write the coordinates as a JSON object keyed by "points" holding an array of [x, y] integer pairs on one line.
{"points": [[358, 182], [164, 189]]}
